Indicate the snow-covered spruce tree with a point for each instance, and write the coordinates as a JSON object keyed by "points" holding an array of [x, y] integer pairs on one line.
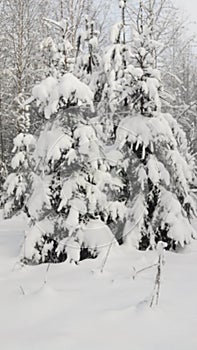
{"points": [[89, 65], [57, 53], [17, 182], [154, 148], [74, 181], [120, 75], [3, 176], [115, 61]]}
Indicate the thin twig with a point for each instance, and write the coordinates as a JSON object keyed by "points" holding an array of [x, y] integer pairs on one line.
{"points": [[22, 290]]}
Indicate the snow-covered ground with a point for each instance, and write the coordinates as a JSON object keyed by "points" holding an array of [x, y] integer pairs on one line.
{"points": [[80, 308]]}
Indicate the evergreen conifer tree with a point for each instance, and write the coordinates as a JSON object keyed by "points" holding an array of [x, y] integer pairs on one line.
{"points": [[155, 150], [88, 65], [16, 185]]}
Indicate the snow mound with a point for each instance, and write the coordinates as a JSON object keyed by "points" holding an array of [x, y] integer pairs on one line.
{"points": [[97, 236]]}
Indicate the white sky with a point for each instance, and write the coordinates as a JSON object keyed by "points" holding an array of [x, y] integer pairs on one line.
{"points": [[187, 4], [190, 8]]}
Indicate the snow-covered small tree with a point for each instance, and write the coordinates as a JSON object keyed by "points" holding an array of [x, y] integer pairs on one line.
{"points": [[89, 65], [3, 175], [58, 53], [121, 74], [74, 181], [155, 151], [16, 185]]}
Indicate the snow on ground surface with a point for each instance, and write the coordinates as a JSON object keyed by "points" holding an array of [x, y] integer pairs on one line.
{"points": [[81, 309]]}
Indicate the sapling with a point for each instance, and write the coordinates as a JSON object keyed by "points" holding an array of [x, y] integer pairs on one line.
{"points": [[160, 262], [156, 291], [46, 274], [107, 254]]}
